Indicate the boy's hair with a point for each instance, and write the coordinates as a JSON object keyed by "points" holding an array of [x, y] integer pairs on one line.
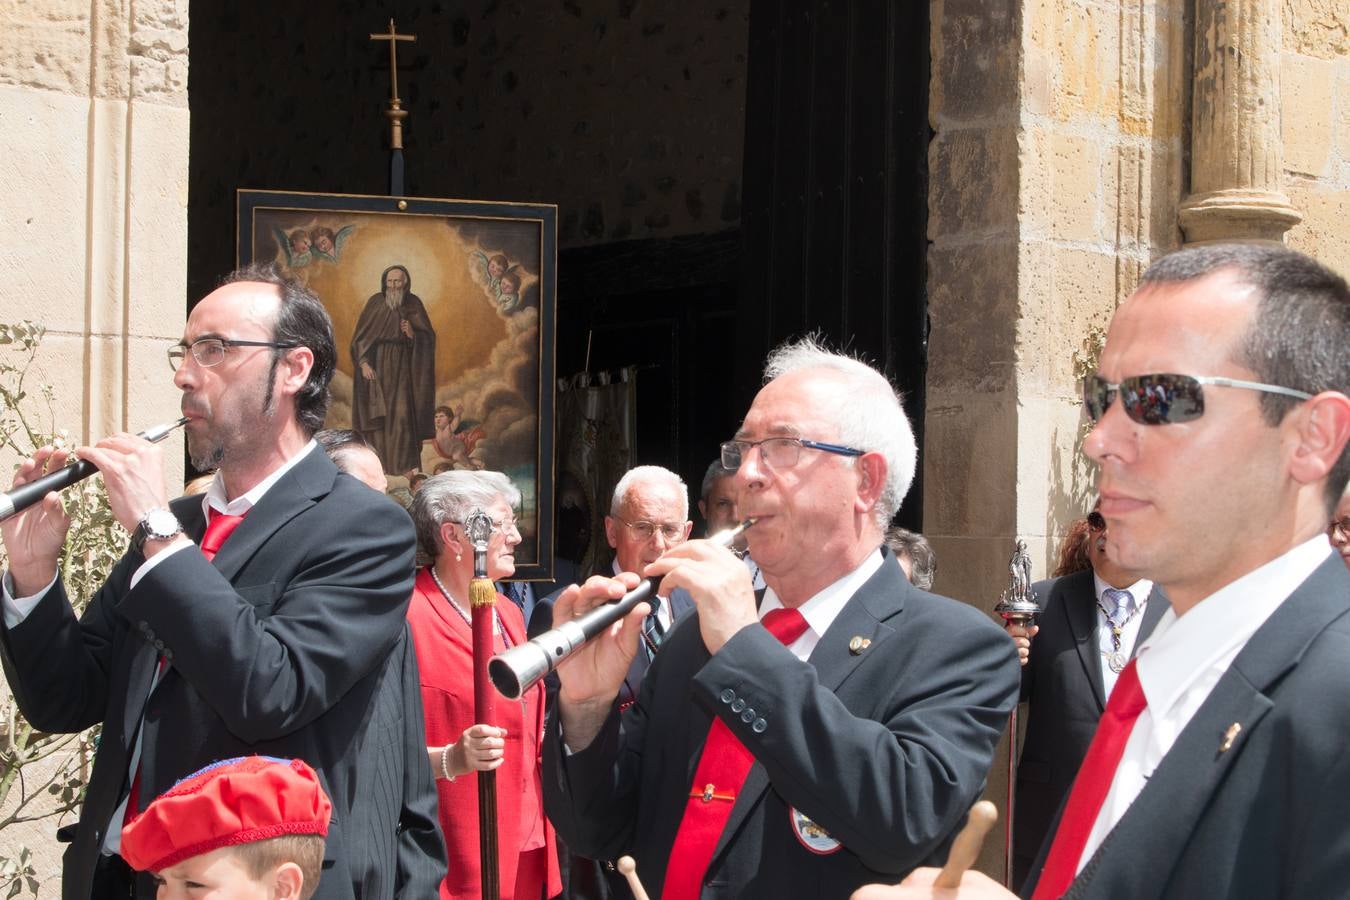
{"points": [[305, 850]]}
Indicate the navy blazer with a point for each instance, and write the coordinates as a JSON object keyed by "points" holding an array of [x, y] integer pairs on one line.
{"points": [[1062, 683], [279, 647], [884, 745], [1263, 815]]}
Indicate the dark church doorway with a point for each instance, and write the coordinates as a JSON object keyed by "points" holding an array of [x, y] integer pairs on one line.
{"points": [[727, 174]]}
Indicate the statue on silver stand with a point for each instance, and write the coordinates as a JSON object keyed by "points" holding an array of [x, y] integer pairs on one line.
{"points": [[1017, 606]]}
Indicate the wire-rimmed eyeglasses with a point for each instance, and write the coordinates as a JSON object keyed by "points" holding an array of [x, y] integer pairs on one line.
{"points": [[780, 452], [210, 352]]}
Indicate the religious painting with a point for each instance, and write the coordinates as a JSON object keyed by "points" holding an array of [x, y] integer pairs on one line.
{"points": [[443, 311]]}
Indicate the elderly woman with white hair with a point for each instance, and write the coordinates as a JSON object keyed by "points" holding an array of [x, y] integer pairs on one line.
{"points": [[457, 745]]}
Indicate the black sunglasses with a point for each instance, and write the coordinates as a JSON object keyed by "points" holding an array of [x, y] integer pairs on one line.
{"points": [[1165, 399]]}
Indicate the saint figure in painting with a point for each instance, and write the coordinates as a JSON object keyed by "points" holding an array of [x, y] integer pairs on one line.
{"points": [[394, 377]]}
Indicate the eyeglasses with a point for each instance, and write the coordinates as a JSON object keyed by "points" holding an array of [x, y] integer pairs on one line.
{"points": [[1165, 399], [645, 531], [1339, 530], [210, 352], [779, 452], [1096, 521], [508, 524]]}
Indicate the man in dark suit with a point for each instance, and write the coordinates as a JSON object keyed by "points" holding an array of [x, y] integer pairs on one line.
{"points": [[1219, 767], [275, 644], [797, 744], [1091, 622], [648, 514], [403, 802]]}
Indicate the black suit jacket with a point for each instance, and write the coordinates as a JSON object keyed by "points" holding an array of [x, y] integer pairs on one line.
{"points": [[585, 878], [884, 747], [1265, 817], [1062, 683], [278, 648]]}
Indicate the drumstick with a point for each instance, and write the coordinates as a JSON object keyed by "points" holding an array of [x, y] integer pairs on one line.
{"points": [[627, 867], [966, 847]]}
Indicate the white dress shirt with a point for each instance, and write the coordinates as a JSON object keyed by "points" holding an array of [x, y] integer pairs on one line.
{"points": [[822, 609], [1128, 634], [1184, 658]]}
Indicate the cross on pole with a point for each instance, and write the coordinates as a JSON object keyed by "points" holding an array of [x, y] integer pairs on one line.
{"points": [[395, 111]]}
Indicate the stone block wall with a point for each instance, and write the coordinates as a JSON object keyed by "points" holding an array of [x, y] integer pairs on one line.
{"points": [[1056, 171], [93, 219], [1315, 96]]}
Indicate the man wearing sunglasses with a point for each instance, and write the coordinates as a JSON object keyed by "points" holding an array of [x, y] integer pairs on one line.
{"points": [[258, 618], [1219, 768], [831, 731], [1091, 624]]}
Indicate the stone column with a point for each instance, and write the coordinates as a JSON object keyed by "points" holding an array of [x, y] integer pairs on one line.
{"points": [[1236, 150]]}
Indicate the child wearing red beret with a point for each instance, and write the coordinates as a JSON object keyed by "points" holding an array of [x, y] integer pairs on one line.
{"points": [[251, 828]]}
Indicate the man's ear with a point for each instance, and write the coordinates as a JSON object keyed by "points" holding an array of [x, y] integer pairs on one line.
{"points": [[703, 510], [288, 881], [294, 369], [871, 480], [1321, 431], [612, 532]]}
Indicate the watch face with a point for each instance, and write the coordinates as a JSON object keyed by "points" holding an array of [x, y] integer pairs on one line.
{"points": [[161, 523]]}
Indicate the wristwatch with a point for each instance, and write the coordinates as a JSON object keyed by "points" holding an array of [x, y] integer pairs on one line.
{"points": [[156, 525]]}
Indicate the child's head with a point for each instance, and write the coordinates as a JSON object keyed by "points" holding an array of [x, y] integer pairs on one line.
{"points": [[251, 828]]}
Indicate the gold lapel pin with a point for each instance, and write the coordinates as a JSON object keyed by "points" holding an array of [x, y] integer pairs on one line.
{"points": [[1228, 737], [858, 644]]}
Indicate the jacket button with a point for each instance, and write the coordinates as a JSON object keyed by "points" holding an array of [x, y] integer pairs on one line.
{"points": [[748, 716], [759, 726], [728, 695], [738, 706], [159, 645]]}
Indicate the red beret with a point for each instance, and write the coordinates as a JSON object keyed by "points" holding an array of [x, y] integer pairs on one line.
{"points": [[236, 801]]}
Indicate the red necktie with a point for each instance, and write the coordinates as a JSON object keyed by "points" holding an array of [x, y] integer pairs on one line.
{"points": [[1092, 785], [721, 772], [218, 527]]}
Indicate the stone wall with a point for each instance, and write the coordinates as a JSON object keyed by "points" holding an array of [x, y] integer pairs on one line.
{"points": [[93, 202], [1056, 173], [1315, 90]]}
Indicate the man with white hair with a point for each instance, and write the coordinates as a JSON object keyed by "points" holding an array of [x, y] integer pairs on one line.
{"points": [[803, 742]]}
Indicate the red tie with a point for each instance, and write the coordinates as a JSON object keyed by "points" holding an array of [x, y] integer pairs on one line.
{"points": [[721, 772], [218, 527], [1092, 785]]}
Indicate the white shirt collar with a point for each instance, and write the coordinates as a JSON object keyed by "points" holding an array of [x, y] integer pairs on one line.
{"points": [[215, 494], [823, 608], [1139, 590], [1183, 648]]}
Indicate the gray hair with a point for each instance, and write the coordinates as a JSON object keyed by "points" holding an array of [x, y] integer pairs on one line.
{"points": [[648, 475], [715, 471], [451, 496], [868, 415], [911, 545], [1299, 336]]}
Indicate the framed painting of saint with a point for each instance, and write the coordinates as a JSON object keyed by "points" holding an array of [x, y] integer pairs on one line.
{"points": [[443, 311]]}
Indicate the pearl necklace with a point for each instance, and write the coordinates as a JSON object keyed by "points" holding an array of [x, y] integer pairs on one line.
{"points": [[496, 616]]}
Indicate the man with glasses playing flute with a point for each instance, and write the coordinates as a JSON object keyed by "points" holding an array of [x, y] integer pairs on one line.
{"points": [[1219, 767], [832, 731], [256, 619]]}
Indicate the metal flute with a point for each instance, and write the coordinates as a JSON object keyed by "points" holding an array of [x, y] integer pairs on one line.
{"points": [[25, 495], [514, 671]]}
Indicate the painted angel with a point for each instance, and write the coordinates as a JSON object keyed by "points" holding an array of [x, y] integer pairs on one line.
{"points": [[296, 248], [490, 270], [328, 245]]}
